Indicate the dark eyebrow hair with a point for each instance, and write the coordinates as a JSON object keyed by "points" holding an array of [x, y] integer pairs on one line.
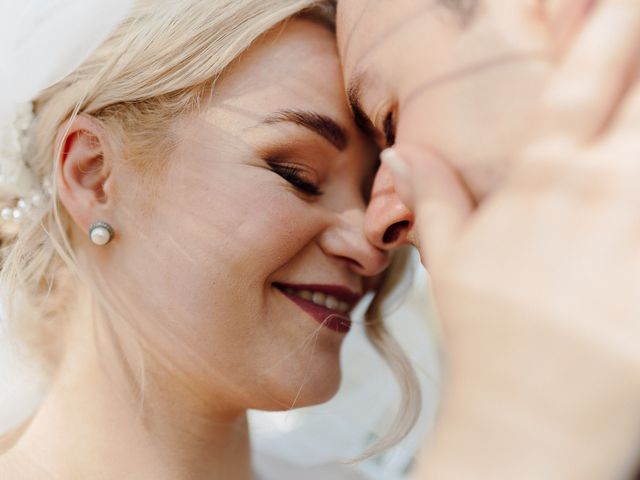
{"points": [[354, 93], [323, 125]]}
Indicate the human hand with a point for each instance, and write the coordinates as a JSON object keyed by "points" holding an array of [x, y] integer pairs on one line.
{"points": [[538, 288]]}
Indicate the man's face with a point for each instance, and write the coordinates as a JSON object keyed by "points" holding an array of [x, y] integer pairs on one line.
{"points": [[459, 77]]}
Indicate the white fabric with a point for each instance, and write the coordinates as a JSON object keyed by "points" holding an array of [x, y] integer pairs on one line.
{"points": [[41, 42], [274, 468]]}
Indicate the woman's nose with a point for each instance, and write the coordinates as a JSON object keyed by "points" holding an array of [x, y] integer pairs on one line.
{"points": [[347, 242], [388, 222]]}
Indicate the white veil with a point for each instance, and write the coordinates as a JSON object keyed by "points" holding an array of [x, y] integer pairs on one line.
{"points": [[41, 42]]}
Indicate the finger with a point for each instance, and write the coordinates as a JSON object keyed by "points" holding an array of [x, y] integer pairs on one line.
{"points": [[594, 73], [566, 17], [432, 189], [627, 120]]}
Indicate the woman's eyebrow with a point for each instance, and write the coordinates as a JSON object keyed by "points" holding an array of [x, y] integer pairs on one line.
{"points": [[323, 125]]}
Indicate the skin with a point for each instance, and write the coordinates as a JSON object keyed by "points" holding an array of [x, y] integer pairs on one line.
{"points": [[527, 222], [471, 97], [192, 267]]}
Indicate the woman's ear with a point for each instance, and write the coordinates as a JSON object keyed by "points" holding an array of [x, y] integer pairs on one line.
{"points": [[84, 167]]}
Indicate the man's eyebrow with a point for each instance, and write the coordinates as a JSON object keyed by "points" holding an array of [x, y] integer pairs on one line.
{"points": [[354, 94], [323, 125]]}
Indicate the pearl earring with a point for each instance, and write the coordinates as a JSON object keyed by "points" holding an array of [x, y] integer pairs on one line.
{"points": [[100, 233]]}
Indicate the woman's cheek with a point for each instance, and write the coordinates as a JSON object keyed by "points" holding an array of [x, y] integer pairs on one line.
{"points": [[271, 227]]}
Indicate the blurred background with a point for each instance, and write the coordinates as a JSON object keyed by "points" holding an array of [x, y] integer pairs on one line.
{"points": [[312, 439]]}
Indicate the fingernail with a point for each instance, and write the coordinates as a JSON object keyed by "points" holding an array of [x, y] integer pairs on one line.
{"points": [[391, 159]]}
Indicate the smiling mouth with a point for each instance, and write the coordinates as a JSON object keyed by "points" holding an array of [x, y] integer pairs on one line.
{"points": [[328, 305]]}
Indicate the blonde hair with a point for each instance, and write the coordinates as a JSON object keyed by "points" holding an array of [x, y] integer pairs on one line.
{"points": [[159, 64]]}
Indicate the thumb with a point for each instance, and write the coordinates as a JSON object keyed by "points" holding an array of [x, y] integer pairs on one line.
{"points": [[433, 190]]}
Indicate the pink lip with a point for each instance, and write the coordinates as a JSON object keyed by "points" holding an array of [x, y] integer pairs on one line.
{"points": [[332, 319]]}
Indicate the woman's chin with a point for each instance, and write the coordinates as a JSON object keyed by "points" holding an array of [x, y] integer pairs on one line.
{"points": [[301, 391]]}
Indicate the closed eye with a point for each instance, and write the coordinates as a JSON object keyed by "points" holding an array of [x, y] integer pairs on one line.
{"points": [[389, 129], [295, 177]]}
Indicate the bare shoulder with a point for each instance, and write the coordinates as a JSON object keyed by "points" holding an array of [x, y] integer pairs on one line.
{"points": [[14, 462], [10, 438], [16, 467], [19, 464]]}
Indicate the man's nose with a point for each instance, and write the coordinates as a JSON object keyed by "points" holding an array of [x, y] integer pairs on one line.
{"points": [[388, 222]]}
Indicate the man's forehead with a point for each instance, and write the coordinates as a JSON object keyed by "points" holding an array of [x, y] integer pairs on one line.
{"points": [[364, 25], [350, 14], [363, 14], [364, 28]]}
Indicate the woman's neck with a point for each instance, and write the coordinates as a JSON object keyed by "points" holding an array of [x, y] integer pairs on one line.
{"points": [[90, 426]]}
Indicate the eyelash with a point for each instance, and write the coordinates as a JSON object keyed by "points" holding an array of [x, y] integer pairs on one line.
{"points": [[389, 129], [293, 175]]}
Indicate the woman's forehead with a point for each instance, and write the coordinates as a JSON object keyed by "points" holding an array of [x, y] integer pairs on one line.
{"points": [[295, 64]]}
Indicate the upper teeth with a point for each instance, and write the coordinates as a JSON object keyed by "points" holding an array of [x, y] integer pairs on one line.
{"points": [[322, 299]]}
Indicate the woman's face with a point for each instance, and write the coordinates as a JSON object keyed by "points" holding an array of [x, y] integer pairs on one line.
{"points": [[263, 204]]}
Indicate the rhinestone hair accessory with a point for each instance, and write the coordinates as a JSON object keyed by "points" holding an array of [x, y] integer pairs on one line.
{"points": [[18, 185]]}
